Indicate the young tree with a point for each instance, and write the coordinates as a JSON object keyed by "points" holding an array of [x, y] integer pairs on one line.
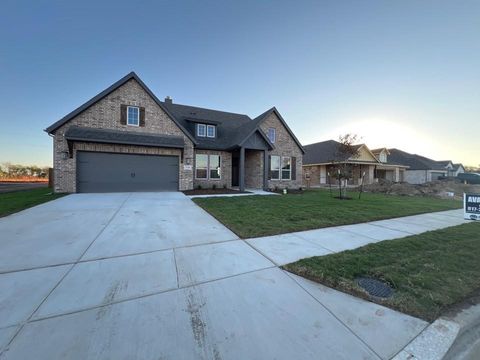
{"points": [[346, 150]]}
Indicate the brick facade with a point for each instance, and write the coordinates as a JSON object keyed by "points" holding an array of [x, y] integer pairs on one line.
{"points": [[254, 169], [105, 114], [225, 171], [285, 145]]}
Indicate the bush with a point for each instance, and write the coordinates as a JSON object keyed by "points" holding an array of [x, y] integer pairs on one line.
{"points": [[214, 186], [199, 187]]}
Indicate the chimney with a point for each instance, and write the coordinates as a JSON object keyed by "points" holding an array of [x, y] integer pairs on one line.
{"points": [[168, 100]]}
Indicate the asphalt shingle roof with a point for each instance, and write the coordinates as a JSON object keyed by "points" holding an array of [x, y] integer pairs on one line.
{"points": [[232, 129], [327, 152], [230, 126], [324, 152], [123, 137], [321, 152], [414, 161]]}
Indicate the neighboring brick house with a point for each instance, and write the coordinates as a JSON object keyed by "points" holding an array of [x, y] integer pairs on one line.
{"points": [[126, 139], [321, 160]]}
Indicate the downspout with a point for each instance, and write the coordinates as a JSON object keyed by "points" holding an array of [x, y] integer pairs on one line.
{"points": [[50, 181]]}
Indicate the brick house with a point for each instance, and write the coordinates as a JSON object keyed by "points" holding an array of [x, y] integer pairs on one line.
{"points": [[321, 160], [126, 139]]}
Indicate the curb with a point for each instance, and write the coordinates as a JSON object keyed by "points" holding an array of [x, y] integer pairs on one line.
{"points": [[447, 338], [433, 343], [467, 344]]}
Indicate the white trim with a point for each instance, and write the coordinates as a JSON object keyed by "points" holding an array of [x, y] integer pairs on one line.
{"points": [[214, 131], [208, 178], [219, 165], [279, 167], [138, 109], [274, 135], [208, 159], [205, 131], [289, 170]]}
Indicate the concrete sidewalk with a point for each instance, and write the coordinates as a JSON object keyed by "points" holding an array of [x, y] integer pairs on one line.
{"points": [[287, 248], [248, 192], [149, 276]]}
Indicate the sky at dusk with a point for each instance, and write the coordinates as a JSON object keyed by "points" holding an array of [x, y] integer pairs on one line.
{"points": [[402, 74]]}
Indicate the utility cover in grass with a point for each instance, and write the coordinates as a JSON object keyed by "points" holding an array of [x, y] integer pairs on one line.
{"points": [[375, 287]]}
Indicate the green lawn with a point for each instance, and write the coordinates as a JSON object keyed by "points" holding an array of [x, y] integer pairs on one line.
{"points": [[429, 272], [253, 216], [19, 200]]}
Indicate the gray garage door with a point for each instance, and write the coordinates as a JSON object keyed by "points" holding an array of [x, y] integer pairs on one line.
{"points": [[106, 172]]}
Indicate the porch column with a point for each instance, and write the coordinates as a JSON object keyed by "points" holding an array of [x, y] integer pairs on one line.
{"points": [[241, 170], [265, 170]]}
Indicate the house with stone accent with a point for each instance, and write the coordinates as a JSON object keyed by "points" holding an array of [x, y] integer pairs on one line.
{"points": [[126, 139], [321, 161]]}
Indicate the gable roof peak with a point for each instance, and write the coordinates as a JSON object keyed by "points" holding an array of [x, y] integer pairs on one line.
{"points": [[260, 118], [109, 90]]}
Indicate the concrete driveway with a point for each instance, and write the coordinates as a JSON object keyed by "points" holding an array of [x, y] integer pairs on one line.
{"points": [[153, 276]]}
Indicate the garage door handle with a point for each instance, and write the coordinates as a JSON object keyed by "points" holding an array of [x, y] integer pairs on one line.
{"points": [[132, 175]]}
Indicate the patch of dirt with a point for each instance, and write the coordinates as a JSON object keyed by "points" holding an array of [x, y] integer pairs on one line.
{"points": [[445, 189], [213, 192]]}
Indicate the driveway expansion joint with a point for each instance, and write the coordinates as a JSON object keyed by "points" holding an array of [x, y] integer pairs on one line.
{"points": [[132, 298], [332, 314], [22, 324]]}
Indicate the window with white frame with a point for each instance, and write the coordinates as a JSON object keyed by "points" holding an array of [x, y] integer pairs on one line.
{"points": [[201, 130], [207, 167], [201, 166], [286, 168], [133, 116], [272, 135], [214, 167], [211, 131], [383, 157], [275, 167]]}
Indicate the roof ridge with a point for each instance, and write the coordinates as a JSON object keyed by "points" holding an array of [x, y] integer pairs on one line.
{"points": [[131, 75], [265, 113], [202, 108], [321, 142]]}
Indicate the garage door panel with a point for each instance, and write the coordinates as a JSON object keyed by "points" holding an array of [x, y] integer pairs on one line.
{"points": [[108, 172]]}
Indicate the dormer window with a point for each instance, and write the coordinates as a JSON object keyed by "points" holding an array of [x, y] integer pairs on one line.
{"points": [[201, 130], [133, 116], [204, 130], [210, 131]]}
